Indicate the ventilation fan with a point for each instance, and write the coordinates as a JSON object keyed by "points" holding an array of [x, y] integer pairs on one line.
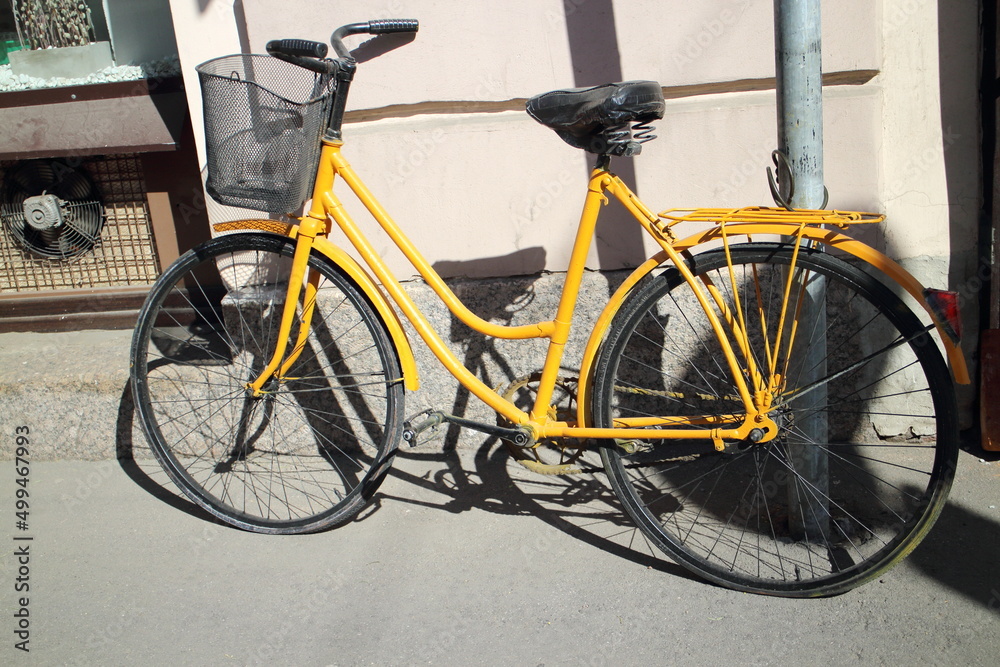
{"points": [[51, 209]]}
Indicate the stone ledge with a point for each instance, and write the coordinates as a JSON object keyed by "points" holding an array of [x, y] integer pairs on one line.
{"points": [[71, 388]]}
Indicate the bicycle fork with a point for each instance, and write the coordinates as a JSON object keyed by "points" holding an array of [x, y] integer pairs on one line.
{"points": [[308, 229]]}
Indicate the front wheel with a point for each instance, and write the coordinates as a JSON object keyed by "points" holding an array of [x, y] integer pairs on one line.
{"points": [[307, 452], [867, 438]]}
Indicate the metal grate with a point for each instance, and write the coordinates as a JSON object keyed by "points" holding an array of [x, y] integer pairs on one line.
{"points": [[126, 254]]}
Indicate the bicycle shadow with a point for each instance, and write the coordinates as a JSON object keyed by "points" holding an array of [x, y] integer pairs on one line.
{"points": [[582, 505], [507, 299], [961, 552], [493, 483], [143, 469]]}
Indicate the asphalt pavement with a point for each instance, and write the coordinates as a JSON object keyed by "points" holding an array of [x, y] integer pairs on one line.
{"points": [[463, 558]]}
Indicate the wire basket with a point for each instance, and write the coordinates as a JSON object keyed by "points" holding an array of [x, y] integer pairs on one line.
{"points": [[264, 119]]}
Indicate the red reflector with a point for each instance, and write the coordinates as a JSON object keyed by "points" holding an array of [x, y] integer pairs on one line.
{"points": [[945, 307]]}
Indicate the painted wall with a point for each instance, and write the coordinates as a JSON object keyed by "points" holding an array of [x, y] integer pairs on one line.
{"points": [[471, 185], [492, 193]]}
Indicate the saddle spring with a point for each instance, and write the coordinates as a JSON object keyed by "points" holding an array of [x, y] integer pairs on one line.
{"points": [[643, 132], [617, 135], [622, 140]]}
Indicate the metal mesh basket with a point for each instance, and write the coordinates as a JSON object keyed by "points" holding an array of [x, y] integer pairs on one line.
{"points": [[264, 119]]}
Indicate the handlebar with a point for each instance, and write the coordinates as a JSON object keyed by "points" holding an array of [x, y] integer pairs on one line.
{"points": [[297, 47], [312, 56], [304, 53], [376, 27]]}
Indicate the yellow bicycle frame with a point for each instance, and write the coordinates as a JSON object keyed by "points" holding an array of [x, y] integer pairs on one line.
{"points": [[326, 210]]}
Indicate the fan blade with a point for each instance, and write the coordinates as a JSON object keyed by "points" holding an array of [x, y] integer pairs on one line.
{"points": [[51, 237], [71, 185], [36, 242], [11, 209], [81, 230], [34, 177]]}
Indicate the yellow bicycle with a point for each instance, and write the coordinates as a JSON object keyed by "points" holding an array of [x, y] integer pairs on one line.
{"points": [[771, 414]]}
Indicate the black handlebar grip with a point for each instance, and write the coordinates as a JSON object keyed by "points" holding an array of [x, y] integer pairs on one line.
{"points": [[302, 48], [384, 26]]}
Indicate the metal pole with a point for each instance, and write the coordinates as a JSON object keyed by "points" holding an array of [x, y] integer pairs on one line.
{"points": [[989, 341], [798, 71]]}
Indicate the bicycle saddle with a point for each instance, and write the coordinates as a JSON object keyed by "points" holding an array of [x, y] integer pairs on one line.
{"points": [[596, 118]]}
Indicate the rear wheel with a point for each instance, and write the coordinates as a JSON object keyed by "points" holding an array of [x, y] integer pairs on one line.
{"points": [[867, 433], [309, 451]]}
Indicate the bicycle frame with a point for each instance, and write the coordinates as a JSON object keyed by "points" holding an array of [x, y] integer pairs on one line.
{"points": [[753, 391]]}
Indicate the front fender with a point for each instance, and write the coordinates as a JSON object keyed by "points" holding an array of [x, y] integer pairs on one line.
{"points": [[361, 278], [830, 238]]}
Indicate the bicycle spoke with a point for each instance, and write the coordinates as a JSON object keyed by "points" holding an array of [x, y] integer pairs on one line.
{"points": [[297, 457], [749, 516]]}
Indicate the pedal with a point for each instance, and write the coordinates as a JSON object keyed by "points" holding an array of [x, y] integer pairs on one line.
{"points": [[411, 433]]}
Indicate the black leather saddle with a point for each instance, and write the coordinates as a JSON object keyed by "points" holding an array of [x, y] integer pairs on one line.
{"points": [[597, 119]]}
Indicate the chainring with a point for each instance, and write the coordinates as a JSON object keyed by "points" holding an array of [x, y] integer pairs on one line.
{"points": [[549, 456]]}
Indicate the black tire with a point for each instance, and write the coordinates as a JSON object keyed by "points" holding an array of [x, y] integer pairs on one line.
{"points": [[311, 451], [749, 518]]}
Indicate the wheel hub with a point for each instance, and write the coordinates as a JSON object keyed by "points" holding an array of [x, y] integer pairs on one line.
{"points": [[270, 387]]}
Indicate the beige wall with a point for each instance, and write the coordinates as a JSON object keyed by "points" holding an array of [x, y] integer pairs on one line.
{"points": [[469, 186], [204, 29], [930, 121]]}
